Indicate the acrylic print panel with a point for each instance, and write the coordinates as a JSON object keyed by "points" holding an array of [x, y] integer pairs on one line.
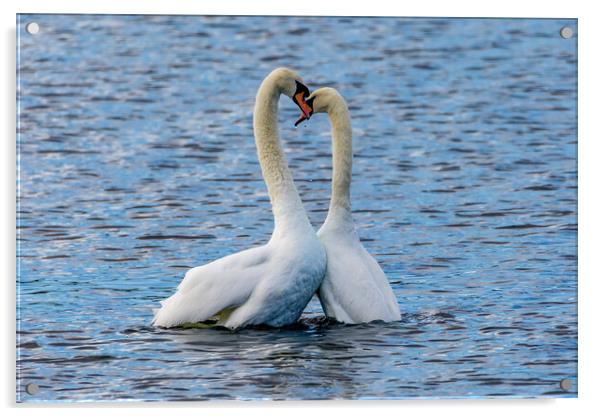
{"points": [[136, 162]]}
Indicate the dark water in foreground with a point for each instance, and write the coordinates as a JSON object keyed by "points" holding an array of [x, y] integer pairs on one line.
{"points": [[137, 162]]}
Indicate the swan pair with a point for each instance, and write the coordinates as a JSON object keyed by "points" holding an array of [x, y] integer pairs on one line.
{"points": [[273, 283]]}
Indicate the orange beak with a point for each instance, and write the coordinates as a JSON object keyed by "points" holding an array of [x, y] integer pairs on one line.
{"points": [[306, 110]]}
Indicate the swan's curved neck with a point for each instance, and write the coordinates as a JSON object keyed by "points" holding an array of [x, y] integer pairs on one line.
{"points": [[286, 204], [342, 159]]}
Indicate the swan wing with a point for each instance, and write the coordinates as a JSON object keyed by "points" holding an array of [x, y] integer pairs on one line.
{"points": [[355, 288], [380, 280], [214, 288]]}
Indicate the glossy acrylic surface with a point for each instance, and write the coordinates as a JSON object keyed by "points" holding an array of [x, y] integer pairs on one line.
{"points": [[137, 162]]}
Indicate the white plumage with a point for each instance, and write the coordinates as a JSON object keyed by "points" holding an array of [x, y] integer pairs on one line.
{"points": [[270, 284], [355, 288]]}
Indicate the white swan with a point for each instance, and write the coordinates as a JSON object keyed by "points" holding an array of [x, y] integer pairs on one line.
{"points": [[355, 288], [273, 283]]}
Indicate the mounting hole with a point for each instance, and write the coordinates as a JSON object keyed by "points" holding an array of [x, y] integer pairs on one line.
{"points": [[32, 28], [566, 32], [32, 388], [565, 384]]}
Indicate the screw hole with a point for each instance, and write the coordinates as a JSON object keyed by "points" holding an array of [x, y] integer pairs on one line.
{"points": [[32, 388], [565, 384], [566, 32], [32, 28]]}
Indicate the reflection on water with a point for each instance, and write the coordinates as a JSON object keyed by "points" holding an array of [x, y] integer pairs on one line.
{"points": [[137, 162]]}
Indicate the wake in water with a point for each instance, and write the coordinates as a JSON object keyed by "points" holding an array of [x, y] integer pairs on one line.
{"points": [[313, 323]]}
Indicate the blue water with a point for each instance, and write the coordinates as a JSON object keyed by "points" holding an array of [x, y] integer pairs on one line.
{"points": [[137, 162]]}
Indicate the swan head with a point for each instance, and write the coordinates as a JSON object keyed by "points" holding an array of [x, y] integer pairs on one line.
{"points": [[323, 100], [291, 84]]}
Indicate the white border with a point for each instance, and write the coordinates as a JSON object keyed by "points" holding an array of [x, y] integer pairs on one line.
{"points": [[507, 8], [590, 209]]}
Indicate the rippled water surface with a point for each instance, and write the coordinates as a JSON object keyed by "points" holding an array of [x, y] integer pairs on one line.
{"points": [[137, 162]]}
